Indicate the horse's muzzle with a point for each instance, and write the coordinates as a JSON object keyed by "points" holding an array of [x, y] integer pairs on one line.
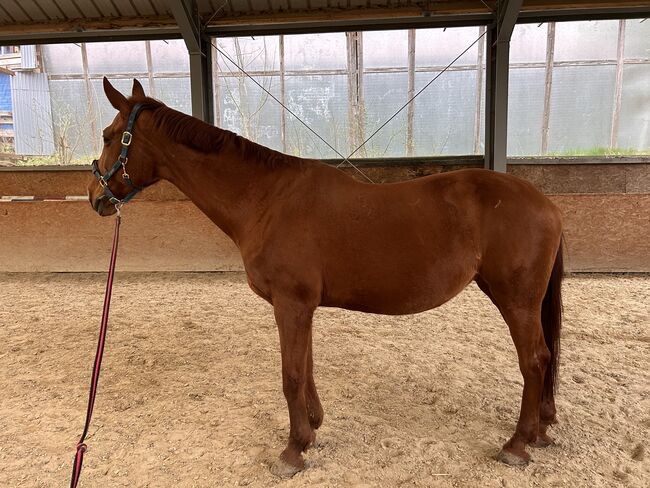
{"points": [[102, 206]]}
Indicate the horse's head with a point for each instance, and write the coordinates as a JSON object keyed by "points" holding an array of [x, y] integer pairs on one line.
{"points": [[126, 164]]}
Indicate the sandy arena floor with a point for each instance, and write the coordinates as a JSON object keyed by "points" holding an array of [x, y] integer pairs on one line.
{"points": [[190, 394]]}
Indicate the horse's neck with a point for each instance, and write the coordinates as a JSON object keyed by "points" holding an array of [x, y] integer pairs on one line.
{"points": [[230, 190]]}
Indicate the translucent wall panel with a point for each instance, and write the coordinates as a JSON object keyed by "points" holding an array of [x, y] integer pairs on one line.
{"points": [[322, 103], [438, 47], [581, 105], [72, 120], [525, 111], [582, 101], [384, 93], [169, 56], [62, 58], [116, 57], [315, 52], [385, 49], [252, 54], [589, 40], [175, 92], [528, 43], [444, 117], [637, 39], [104, 110], [481, 118], [634, 118], [248, 111]]}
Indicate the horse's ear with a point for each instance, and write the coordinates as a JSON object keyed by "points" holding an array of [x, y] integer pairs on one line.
{"points": [[118, 101], [138, 91]]}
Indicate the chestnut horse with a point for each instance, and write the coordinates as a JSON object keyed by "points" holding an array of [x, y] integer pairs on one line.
{"points": [[310, 235]]}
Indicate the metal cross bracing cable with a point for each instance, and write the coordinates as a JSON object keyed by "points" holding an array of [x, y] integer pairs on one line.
{"points": [[347, 159], [411, 99], [288, 109]]}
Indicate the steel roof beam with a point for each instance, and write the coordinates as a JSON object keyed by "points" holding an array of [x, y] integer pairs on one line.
{"points": [[186, 15], [147, 34]]}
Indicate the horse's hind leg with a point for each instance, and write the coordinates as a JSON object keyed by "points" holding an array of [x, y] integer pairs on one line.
{"points": [[546, 417], [526, 330], [294, 321], [547, 406], [314, 408]]}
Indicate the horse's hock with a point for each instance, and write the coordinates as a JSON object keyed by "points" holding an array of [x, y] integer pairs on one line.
{"points": [[605, 209]]}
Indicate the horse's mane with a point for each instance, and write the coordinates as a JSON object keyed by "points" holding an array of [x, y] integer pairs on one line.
{"points": [[204, 137]]}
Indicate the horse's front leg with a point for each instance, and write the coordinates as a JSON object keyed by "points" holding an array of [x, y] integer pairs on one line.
{"points": [[294, 321]]}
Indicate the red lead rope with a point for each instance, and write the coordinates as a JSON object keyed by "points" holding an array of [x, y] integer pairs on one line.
{"points": [[81, 447]]}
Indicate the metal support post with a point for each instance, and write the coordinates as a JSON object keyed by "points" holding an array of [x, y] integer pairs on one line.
{"points": [[496, 79], [199, 49]]}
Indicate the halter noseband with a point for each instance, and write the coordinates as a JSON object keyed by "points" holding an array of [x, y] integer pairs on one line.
{"points": [[127, 136]]}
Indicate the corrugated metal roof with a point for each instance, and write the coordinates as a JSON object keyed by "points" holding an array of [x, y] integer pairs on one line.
{"points": [[66, 20], [25, 11]]}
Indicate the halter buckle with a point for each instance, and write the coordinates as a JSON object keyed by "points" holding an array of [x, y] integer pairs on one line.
{"points": [[102, 182], [126, 138]]}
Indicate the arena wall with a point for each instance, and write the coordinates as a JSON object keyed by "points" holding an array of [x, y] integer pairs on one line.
{"points": [[606, 211]]}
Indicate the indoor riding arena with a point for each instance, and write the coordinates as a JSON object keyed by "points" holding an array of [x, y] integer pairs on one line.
{"points": [[199, 386]]}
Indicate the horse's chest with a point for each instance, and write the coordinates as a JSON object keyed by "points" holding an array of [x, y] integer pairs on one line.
{"points": [[260, 290]]}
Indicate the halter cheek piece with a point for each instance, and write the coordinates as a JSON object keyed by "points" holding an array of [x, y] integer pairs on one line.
{"points": [[127, 136]]}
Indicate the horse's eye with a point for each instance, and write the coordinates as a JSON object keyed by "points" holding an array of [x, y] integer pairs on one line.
{"points": [[106, 140]]}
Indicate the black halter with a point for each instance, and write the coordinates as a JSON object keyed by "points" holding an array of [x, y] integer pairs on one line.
{"points": [[127, 136]]}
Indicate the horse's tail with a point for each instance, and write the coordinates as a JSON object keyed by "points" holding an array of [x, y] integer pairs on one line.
{"points": [[552, 320]]}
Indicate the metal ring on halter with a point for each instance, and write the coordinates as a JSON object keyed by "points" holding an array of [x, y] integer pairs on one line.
{"points": [[125, 175]]}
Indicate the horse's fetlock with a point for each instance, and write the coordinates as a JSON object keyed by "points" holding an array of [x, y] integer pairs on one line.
{"points": [[301, 438], [316, 415]]}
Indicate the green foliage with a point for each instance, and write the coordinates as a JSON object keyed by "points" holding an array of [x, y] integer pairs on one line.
{"points": [[601, 151], [53, 160]]}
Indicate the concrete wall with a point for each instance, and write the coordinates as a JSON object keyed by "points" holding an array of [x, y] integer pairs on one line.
{"points": [[606, 212]]}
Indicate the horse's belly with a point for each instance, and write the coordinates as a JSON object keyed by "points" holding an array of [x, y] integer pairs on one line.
{"points": [[397, 291]]}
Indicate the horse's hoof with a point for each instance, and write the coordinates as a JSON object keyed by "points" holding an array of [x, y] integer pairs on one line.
{"points": [[512, 459], [542, 441], [283, 469]]}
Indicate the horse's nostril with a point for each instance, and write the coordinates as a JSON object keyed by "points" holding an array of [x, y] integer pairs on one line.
{"points": [[98, 203]]}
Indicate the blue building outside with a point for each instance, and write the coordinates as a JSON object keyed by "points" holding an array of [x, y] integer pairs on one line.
{"points": [[5, 99]]}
